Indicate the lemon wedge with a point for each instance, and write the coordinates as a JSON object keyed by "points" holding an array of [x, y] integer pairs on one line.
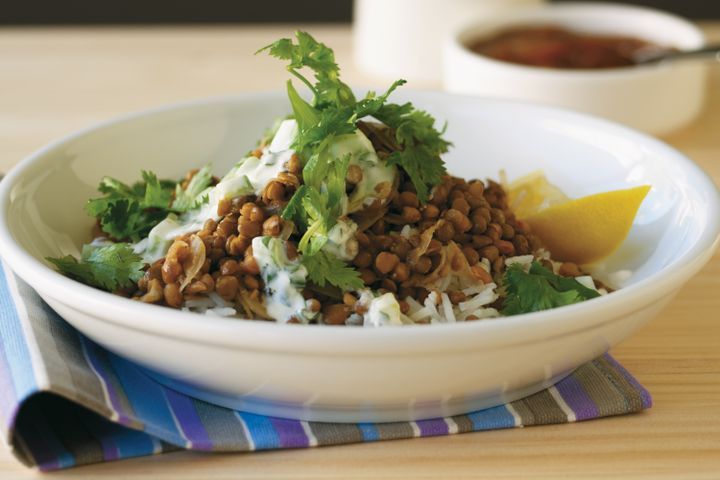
{"points": [[586, 229]]}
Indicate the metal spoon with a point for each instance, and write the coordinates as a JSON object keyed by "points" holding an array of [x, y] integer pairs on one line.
{"points": [[656, 55]]}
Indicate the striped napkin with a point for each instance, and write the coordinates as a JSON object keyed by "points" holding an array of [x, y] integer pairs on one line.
{"points": [[66, 401]]}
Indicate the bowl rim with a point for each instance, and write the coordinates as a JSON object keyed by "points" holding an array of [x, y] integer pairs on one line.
{"points": [[469, 30], [289, 338]]}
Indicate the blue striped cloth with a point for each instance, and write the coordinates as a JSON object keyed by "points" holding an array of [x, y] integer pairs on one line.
{"points": [[65, 401]]}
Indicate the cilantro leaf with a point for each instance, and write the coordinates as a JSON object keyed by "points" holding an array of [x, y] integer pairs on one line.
{"points": [[540, 289], [324, 267], [192, 196], [421, 145], [305, 114], [563, 284], [308, 52], [319, 222], [332, 122], [319, 202], [156, 195], [423, 166], [131, 211], [109, 267], [70, 267], [371, 104], [335, 181], [293, 210]]}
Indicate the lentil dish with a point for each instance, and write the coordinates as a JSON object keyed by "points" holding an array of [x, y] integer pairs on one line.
{"points": [[343, 214]]}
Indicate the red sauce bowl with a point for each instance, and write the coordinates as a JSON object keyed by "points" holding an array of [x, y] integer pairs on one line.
{"points": [[655, 98]]}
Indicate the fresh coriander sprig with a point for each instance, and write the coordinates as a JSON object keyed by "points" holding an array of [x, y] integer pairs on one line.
{"points": [[334, 111], [308, 52], [130, 212], [195, 194], [422, 144], [109, 267], [540, 289], [324, 267]]}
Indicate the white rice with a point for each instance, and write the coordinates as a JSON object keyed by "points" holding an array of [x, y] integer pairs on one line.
{"points": [[524, 260], [213, 305], [437, 307], [407, 231]]}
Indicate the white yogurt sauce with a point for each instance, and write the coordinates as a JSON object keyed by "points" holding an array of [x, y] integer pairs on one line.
{"points": [[284, 280], [250, 175], [383, 310], [341, 240], [362, 154]]}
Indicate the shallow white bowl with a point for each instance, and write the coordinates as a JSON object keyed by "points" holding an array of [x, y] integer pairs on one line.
{"points": [[355, 374], [654, 98]]}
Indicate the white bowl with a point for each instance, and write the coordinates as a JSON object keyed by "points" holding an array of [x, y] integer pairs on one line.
{"points": [[654, 98], [355, 374]]}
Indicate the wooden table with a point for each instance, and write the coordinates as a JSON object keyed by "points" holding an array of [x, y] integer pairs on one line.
{"points": [[55, 81]]}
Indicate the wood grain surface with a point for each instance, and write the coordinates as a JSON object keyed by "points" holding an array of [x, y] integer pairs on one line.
{"points": [[55, 81]]}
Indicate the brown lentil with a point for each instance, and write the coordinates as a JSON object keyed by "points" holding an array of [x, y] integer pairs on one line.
{"points": [[423, 265], [408, 199], [471, 255], [294, 165], [401, 272], [367, 276], [362, 239], [430, 211], [274, 192], [456, 296], [363, 259], [445, 232], [490, 252], [272, 226], [249, 265], [291, 250], [227, 287], [313, 305], [196, 287], [458, 219], [349, 299], [251, 282], [249, 229], [386, 262], [569, 269], [354, 174], [389, 285], [229, 266], [461, 205], [480, 241], [335, 314], [224, 207], [411, 214], [506, 248], [173, 297]]}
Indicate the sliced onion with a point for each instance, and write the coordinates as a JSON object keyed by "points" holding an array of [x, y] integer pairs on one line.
{"points": [[194, 262]]}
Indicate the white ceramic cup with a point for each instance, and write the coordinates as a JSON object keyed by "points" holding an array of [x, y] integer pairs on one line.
{"points": [[404, 38]]}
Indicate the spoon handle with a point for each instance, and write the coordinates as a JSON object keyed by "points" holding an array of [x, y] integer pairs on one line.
{"points": [[709, 52]]}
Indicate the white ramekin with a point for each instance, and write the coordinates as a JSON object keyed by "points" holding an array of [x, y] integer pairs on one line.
{"points": [[654, 98]]}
